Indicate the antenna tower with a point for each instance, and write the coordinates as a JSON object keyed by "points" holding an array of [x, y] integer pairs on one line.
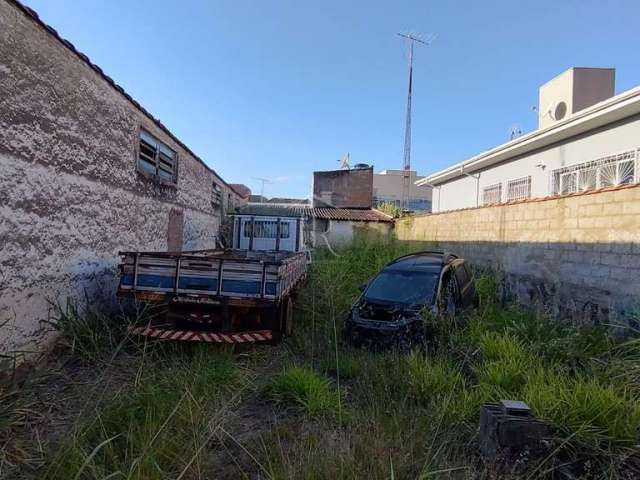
{"points": [[406, 167]]}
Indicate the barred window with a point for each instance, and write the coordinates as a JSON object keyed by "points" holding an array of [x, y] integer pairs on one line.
{"points": [[266, 229], [519, 189], [155, 158], [492, 194], [607, 171]]}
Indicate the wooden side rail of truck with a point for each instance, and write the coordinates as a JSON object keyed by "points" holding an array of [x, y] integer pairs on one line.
{"points": [[221, 296]]}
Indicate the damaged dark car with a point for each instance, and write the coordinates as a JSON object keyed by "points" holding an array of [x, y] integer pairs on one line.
{"points": [[391, 310]]}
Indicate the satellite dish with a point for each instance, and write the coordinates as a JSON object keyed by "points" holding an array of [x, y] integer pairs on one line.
{"points": [[557, 110]]}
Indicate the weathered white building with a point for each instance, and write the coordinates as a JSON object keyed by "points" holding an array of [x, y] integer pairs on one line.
{"points": [[296, 227], [86, 172], [587, 139]]}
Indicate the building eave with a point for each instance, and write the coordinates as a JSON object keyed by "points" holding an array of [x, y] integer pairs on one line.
{"points": [[601, 114]]}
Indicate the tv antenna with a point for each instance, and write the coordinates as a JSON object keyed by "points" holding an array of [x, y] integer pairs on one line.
{"points": [[262, 183], [515, 131], [406, 167], [344, 162]]}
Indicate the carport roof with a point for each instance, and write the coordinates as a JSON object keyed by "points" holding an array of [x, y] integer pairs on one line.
{"points": [[346, 214]]}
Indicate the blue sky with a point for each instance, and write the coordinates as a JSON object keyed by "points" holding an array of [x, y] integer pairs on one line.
{"points": [[281, 88]]}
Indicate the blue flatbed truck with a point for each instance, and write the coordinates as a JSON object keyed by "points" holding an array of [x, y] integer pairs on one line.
{"points": [[216, 296]]}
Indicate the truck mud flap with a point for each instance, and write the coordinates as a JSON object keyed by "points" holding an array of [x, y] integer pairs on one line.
{"points": [[200, 336]]}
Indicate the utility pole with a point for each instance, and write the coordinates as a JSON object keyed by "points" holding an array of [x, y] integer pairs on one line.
{"points": [[406, 167]]}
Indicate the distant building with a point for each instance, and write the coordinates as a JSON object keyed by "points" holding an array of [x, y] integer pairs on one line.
{"points": [[242, 190], [587, 139], [349, 188], [387, 188]]}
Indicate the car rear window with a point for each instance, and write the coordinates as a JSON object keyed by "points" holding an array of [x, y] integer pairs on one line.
{"points": [[406, 287]]}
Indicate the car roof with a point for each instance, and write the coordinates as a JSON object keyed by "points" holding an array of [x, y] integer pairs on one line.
{"points": [[431, 261]]}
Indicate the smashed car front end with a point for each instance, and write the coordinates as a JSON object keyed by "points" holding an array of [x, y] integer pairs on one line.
{"points": [[386, 327]]}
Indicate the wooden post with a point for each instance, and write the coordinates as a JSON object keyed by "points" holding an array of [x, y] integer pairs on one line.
{"points": [[278, 235], [298, 234]]}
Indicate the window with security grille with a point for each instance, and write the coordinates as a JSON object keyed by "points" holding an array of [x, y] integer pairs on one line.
{"points": [[156, 159], [266, 229], [519, 189], [492, 194], [604, 172]]}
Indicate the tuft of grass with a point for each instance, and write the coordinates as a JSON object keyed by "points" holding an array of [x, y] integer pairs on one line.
{"points": [[433, 379], [88, 330], [308, 389]]}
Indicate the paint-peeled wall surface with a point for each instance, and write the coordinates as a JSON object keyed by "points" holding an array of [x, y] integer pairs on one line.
{"points": [[70, 194]]}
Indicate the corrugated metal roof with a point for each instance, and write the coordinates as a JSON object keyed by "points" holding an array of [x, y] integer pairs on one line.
{"points": [[347, 214]]}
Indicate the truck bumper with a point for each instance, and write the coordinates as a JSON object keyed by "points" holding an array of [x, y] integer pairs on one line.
{"points": [[204, 336]]}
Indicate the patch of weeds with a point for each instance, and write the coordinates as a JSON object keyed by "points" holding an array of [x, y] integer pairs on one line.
{"points": [[89, 331], [302, 386], [588, 413], [350, 364], [487, 287], [505, 364], [433, 378], [158, 428]]}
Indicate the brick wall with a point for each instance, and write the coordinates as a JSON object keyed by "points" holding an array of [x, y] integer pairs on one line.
{"points": [[343, 188], [577, 255], [70, 194]]}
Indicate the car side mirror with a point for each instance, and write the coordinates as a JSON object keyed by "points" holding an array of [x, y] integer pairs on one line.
{"points": [[363, 286]]}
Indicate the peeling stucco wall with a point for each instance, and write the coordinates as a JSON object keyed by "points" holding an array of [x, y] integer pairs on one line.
{"points": [[577, 256], [70, 195]]}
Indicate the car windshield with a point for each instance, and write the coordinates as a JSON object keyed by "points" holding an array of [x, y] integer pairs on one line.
{"points": [[402, 286]]}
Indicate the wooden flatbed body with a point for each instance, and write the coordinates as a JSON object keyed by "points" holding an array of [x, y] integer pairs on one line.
{"points": [[222, 296]]}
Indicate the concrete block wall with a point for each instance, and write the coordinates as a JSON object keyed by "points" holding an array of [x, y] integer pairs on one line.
{"points": [[70, 194], [577, 256]]}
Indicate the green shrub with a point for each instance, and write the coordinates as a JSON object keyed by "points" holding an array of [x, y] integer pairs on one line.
{"points": [[304, 387]]}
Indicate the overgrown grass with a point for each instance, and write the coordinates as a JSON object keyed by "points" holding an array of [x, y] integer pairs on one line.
{"points": [[417, 414], [159, 426], [308, 389], [398, 415]]}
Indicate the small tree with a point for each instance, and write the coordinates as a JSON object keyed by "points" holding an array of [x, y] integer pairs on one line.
{"points": [[390, 209]]}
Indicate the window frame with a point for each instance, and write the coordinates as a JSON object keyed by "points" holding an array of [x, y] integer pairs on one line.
{"points": [[269, 226], [595, 168], [155, 176], [514, 181], [497, 185]]}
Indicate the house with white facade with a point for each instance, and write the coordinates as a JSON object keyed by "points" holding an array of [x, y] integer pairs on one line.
{"points": [[587, 139], [388, 185]]}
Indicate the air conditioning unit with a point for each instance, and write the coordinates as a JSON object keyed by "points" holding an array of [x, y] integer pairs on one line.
{"points": [[573, 90]]}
